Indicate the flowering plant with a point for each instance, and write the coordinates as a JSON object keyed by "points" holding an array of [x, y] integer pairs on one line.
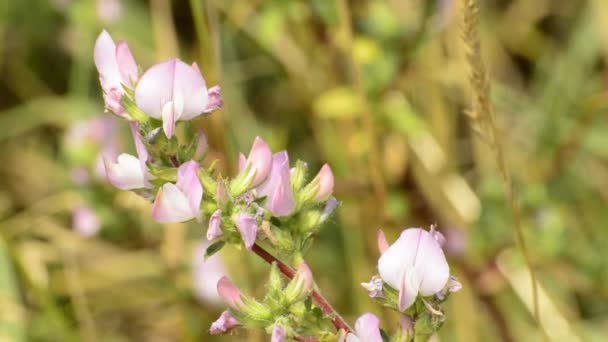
{"points": [[271, 207]]}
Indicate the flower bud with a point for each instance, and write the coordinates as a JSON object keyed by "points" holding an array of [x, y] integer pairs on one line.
{"points": [[437, 235], [181, 201], [277, 187], [278, 334], [374, 287], [229, 293], [248, 228], [320, 188], [254, 169], [298, 175], [301, 284], [224, 323], [214, 231]]}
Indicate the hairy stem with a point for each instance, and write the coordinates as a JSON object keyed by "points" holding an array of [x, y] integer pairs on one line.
{"points": [[327, 309]]}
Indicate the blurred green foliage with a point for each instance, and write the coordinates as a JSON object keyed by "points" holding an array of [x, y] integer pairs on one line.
{"points": [[378, 89]]}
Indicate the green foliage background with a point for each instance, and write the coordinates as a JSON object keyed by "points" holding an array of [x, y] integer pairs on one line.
{"points": [[378, 89]]}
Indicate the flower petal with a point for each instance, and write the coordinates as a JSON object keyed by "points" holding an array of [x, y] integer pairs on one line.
{"points": [[224, 323], [215, 99], [382, 243], [214, 231], [126, 173], [155, 88], [325, 177], [399, 257], [126, 64], [277, 186], [248, 228], [190, 185], [408, 290], [190, 84], [260, 159], [431, 266], [230, 293], [367, 328], [142, 153], [171, 205], [105, 60]]}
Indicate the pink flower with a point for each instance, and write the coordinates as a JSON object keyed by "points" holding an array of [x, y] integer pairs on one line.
{"points": [[173, 91], [259, 162], [229, 293], [278, 334], [85, 221], [414, 264], [181, 201], [129, 172], [206, 273], [301, 284], [214, 231], [224, 323], [325, 180], [277, 187], [248, 228], [116, 66], [367, 329]]}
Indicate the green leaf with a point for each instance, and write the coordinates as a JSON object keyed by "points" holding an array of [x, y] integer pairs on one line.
{"points": [[214, 248]]}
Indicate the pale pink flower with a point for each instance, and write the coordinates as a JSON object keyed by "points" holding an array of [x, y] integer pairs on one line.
{"points": [[181, 201], [258, 163], [85, 221], [173, 91], [278, 334], [248, 228], [382, 243], [214, 230], [129, 172], [367, 329], [277, 186], [229, 293], [116, 66], [325, 180], [414, 264], [224, 323]]}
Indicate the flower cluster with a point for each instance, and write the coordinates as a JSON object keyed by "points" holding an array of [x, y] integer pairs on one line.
{"points": [[270, 204]]}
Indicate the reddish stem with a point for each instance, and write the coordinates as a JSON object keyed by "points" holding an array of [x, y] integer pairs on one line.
{"points": [[327, 309]]}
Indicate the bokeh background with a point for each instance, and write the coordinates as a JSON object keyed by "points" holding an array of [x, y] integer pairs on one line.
{"points": [[377, 88]]}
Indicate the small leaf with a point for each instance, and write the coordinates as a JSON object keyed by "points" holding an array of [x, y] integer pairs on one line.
{"points": [[214, 248]]}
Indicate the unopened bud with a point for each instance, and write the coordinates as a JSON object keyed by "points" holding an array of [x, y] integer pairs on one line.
{"points": [[300, 286]]}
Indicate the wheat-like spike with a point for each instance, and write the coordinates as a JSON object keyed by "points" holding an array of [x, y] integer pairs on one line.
{"points": [[482, 121]]}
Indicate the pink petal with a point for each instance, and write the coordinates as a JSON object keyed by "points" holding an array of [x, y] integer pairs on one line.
{"points": [[367, 328], [278, 334], [171, 205], [215, 99], [242, 162], [126, 173], [155, 88], [190, 83], [408, 290], [126, 64], [105, 60], [230, 293], [277, 186], [190, 185], [260, 159], [224, 323], [325, 178], [431, 266], [142, 153], [304, 278], [214, 231], [248, 228], [382, 243]]}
